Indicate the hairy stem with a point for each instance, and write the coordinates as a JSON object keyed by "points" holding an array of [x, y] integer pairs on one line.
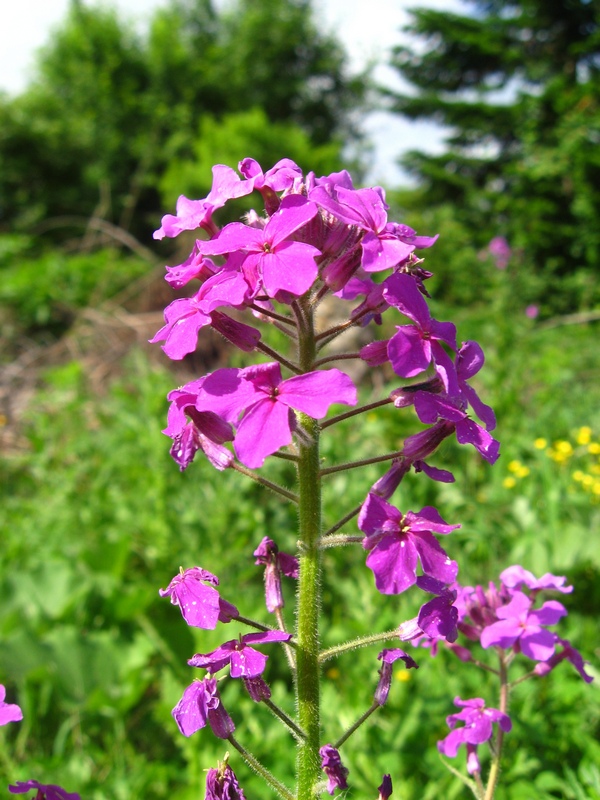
{"points": [[362, 463], [255, 764], [264, 348], [274, 487], [354, 644], [289, 723], [497, 751], [350, 515], [356, 411], [363, 718]]}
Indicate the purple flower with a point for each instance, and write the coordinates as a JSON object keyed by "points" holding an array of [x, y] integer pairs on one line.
{"points": [[433, 407], [385, 790], [269, 256], [387, 658], [192, 214], [244, 661], [521, 627], [257, 689], [570, 654], [331, 764], [275, 563], [9, 712], [516, 576], [438, 618], [200, 704], [200, 605], [186, 316], [45, 791], [477, 728], [205, 431], [222, 784], [267, 401], [414, 347], [397, 542], [500, 251], [469, 360], [383, 245]]}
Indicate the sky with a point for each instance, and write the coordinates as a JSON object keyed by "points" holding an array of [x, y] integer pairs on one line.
{"points": [[367, 28]]}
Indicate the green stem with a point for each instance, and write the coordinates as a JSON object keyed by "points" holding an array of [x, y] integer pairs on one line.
{"points": [[362, 463], [363, 718], [354, 644], [346, 518], [355, 411], [274, 487], [289, 723], [497, 751], [255, 764], [309, 577], [264, 348], [252, 624], [340, 539], [309, 601]]}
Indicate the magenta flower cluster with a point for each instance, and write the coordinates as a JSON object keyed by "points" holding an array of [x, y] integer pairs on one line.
{"points": [[510, 620], [318, 238]]}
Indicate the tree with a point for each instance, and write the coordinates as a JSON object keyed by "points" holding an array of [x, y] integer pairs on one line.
{"points": [[110, 111], [518, 86]]}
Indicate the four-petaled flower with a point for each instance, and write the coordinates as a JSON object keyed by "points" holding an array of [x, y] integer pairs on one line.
{"points": [[477, 729], [245, 662], [9, 712], [268, 402], [521, 627], [45, 791], [396, 543], [201, 703], [200, 604]]}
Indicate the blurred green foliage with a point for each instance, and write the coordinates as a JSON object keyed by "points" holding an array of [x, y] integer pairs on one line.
{"points": [[110, 111], [96, 517]]}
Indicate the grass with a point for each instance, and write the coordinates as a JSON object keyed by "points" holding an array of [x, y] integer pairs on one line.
{"points": [[96, 517]]}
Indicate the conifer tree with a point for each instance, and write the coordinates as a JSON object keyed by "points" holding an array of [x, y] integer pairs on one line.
{"points": [[517, 85]]}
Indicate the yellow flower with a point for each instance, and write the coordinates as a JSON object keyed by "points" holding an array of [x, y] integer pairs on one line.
{"points": [[578, 475], [540, 444], [596, 487], [584, 435], [402, 675], [514, 466], [594, 448], [523, 472], [587, 481], [564, 447], [509, 482]]}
